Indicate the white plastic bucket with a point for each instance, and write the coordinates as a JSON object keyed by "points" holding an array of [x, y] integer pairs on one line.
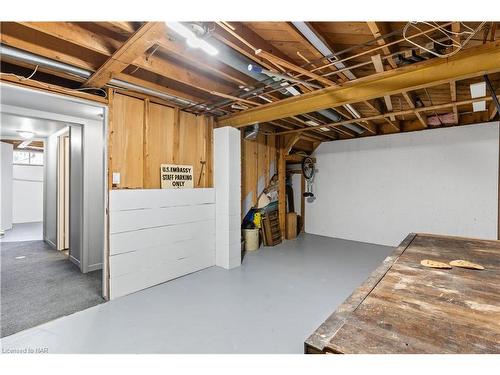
{"points": [[251, 239]]}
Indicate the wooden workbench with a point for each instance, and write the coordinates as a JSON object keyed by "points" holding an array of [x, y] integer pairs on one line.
{"points": [[404, 307]]}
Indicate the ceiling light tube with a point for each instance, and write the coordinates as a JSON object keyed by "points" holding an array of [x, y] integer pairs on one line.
{"points": [[192, 39], [26, 134]]}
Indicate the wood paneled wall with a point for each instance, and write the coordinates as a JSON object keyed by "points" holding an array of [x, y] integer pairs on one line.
{"points": [[143, 135], [259, 160]]}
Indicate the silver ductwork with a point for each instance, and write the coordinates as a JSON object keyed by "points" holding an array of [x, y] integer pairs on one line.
{"points": [[31, 58]]}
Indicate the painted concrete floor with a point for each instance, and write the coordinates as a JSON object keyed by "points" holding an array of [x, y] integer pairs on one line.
{"points": [[24, 232], [271, 304]]}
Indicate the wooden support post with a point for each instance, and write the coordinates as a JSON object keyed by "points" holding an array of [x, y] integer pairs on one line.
{"points": [[209, 163], [281, 186], [145, 145], [175, 154]]}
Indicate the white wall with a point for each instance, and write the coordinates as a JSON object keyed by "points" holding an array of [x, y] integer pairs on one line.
{"points": [[27, 193], [157, 235], [6, 186], [379, 189]]}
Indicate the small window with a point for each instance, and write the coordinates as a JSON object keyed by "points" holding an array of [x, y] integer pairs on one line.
{"points": [[28, 157]]}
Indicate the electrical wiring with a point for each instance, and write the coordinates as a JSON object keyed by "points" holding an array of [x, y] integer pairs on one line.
{"points": [[22, 78], [93, 88], [450, 37]]}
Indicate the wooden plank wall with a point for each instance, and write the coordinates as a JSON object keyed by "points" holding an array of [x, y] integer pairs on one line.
{"points": [[143, 135], [258, 164], [157, 235]]}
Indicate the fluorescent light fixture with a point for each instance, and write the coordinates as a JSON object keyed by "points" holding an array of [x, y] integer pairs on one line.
{"points": [[311, 123], [325, 129], [26, 134], [265, 99], [352, 111], [478, 90], [24, 144], [192, 39]]}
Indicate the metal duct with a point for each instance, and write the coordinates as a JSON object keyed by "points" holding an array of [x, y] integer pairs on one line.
{"points": [[316, 41], [17, 54], [31, 58]]}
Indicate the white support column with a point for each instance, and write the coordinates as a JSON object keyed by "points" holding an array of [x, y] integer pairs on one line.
{"points": [[227, 179]]}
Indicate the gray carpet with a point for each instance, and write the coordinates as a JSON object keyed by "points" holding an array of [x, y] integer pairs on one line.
{"points": [[41, 287]]}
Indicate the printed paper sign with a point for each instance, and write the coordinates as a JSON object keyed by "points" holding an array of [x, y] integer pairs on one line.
{"points": [[175, 176]]}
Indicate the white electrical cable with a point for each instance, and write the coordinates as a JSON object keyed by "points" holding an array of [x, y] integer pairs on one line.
{"points": [[22, 78], [448, 34]]}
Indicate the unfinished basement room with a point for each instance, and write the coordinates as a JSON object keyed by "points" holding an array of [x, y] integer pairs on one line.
{"points": [[250, 186]]}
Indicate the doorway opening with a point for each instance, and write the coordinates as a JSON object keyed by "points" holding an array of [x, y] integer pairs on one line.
{"points": [[53, 207]]}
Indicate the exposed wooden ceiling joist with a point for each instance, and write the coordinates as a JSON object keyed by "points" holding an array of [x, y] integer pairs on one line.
{"points": [[398, 113], [465, 64], [143, 39], [169, 69], [379, 29]]}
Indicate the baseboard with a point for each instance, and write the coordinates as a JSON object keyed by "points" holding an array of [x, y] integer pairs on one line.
{"points": [[95, 267], [74, 260], [50, 243]]}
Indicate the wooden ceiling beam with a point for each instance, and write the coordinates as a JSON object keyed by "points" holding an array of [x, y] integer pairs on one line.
{"points": [[157, 87], [411, 102], [398, 113], [465, 64], [107, 47], [378, 29], [201, 60], [290, 142], [10, 37], [453, 94], [492, 111], [143, 39], [245, 41], [291, 66], [379, 68], [73, 33]]}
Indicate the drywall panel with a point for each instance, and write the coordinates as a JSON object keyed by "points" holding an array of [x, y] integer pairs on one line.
{"points": [[157, 235], [378, 189], [6, 186], [27, 193]]}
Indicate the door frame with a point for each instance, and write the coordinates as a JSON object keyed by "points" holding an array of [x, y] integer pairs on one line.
{"points": [[73, 120]]}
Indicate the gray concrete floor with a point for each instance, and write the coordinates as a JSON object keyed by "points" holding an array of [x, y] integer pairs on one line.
{"points": [[24, 232], [270, 304]]}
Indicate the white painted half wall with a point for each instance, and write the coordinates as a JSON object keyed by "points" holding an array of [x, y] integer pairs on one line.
{"points": [[27, 193], [156, 235], [379, 189]]}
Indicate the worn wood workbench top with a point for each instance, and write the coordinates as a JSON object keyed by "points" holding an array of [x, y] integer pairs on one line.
{"points": [[404, 307]]}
